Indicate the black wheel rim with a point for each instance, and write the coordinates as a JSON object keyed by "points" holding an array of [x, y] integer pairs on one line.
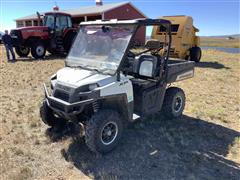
{"points": [[40, 50], [178, 104], [109, 133], [24, 50]]}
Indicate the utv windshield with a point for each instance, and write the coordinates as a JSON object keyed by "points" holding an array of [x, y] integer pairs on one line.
{"points": [[100, 47]]}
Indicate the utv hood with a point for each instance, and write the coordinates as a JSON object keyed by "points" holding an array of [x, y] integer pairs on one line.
{"points": [[78, 77]]}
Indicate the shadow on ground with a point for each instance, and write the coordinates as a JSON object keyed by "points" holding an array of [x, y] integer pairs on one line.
{"points": [[185, 148], [64, 131], [210, 64], [46, 58]]}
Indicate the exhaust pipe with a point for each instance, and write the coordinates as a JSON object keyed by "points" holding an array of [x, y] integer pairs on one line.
{"points": [[39, 18]]}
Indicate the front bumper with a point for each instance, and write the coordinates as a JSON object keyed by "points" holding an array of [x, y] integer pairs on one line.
{"points": [[64, 108]]}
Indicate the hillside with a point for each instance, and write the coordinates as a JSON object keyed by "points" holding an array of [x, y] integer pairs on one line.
{"points": [[220, 42], [223, 36]]}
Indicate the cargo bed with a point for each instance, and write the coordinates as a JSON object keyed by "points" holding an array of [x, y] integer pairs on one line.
{"points": [[179, 70]]}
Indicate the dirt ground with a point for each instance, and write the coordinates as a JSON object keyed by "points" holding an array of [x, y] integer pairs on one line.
{"points": [[203, 144]]}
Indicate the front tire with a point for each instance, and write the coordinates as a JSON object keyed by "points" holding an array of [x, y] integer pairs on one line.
{"points": [[174, 103], [195, 54], [38, 50], [22, 51], [48, 117], [103, 131]]}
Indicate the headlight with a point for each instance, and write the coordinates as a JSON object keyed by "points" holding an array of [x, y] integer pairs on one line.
{"points": [[92, 86], [53, 77], [53, 83]]}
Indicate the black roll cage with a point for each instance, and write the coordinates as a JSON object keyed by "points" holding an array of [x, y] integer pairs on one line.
{"points": [[139, 23]]}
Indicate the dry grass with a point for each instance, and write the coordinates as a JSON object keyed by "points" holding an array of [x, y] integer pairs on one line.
{"points": [[220, 42], [204, 144], [213, 93]]}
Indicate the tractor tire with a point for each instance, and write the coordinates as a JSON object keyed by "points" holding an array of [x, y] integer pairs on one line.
{"points": [[38, 50], [195, 54], [48, 117], [68, 40], [103, 131], [22, 51], [174, 103]]}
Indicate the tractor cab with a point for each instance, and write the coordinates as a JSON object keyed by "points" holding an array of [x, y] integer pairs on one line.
{"points": [[55, 34], [61, 31], [57, 21]]}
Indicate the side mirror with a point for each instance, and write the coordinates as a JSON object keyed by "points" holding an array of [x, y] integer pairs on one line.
{"points": [[146, 69]]}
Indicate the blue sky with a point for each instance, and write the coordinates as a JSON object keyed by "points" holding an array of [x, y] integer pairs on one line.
{"points": [[212, 17]]}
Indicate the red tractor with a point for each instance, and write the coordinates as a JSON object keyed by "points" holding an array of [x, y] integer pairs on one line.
{"points": [[55, 35]]}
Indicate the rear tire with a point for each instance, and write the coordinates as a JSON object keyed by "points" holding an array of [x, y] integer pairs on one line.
{"points": [[195, 54], [22, 51], [38, 50], [174, 103], [103, 131], [68, 41]]}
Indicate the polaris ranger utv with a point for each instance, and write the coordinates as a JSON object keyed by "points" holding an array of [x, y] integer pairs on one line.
{"points": [[105, 85]]}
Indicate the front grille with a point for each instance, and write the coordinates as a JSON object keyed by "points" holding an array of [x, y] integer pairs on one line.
{"points": [[16, 36], [16, 33], [62, 87], [58, 106], [61, 95]]}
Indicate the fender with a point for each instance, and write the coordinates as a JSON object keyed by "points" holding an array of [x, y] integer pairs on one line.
{"points": [[120, 104], [69, 35], [69, 30]]}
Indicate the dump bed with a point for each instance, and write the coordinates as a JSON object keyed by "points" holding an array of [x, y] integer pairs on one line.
{"points": [[179, 70]]}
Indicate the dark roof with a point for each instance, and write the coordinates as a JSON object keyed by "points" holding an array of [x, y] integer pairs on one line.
{"points": [[86, 10]]}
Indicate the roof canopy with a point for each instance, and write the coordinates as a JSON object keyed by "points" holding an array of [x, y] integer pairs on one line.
{"points": [[142, 22]]}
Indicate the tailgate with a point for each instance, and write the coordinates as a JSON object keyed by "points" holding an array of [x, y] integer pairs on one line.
{"points": [[179, 70]]}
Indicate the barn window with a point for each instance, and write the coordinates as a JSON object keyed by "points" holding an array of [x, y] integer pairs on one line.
{"points": [[19, 23], [28, 23], [35, 23]]}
